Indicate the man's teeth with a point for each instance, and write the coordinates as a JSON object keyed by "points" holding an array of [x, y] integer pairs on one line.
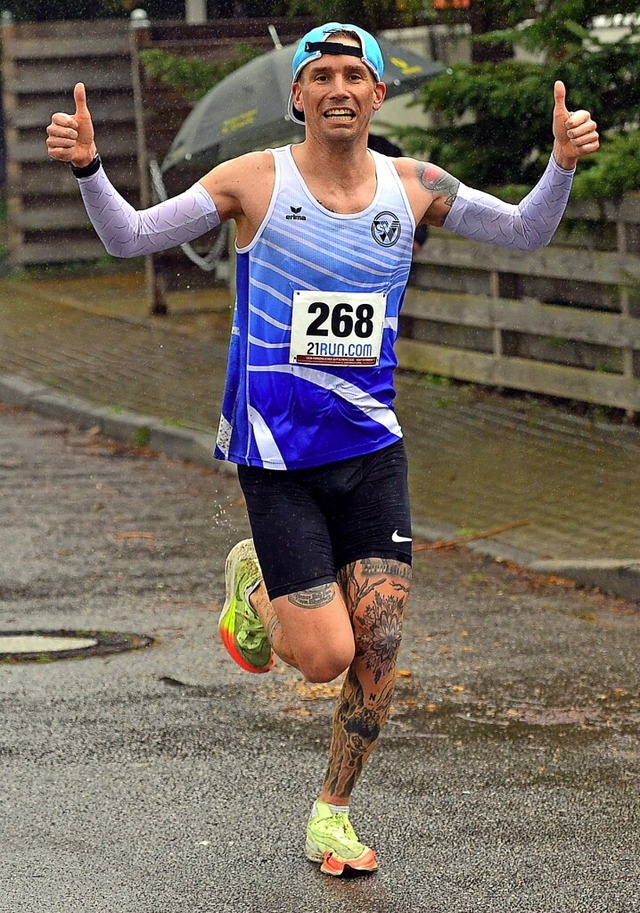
{"points": [[340, 112]]}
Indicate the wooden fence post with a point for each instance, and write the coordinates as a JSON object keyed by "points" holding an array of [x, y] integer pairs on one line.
{"points": [[630, 360], [9, 105]]}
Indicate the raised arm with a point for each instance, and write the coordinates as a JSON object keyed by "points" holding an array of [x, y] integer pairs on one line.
{"points": [[124, 231], [532, 223]]}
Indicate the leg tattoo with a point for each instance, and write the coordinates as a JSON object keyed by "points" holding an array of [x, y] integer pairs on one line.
{"points": [[376, 592], [262, 604]]}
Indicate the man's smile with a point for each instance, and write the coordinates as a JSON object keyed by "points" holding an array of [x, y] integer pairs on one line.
{"points": [[339, 114]]}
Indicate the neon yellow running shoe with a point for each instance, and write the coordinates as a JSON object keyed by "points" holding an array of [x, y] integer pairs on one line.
{"points": [[332, 841], [241, 631]]}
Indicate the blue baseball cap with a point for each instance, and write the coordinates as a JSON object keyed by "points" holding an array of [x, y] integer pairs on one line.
{"points": [[314, 44]]}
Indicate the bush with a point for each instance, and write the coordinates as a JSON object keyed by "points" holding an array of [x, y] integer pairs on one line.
{"points": [[492, 121], [192, 76]]}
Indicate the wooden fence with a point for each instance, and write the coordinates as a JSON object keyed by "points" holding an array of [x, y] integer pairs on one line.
{"points": [[564, 321], [40, 64]]}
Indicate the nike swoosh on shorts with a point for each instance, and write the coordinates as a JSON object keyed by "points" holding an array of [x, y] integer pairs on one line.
{"points": [[396, 537]]}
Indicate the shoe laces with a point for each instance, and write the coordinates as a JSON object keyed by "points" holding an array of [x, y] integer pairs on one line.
{"points": [[339, 823], [251, 633], [251, 636]]}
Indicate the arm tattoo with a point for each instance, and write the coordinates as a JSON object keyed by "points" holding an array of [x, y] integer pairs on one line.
{"points": [[438, 182], [314, 598]]}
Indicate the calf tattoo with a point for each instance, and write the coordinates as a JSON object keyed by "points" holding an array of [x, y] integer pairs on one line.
{"points": [[375, 591], [356, 728], [272, 628]]}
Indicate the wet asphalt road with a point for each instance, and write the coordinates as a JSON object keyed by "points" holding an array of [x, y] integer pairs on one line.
{"points": [[167, 781]]}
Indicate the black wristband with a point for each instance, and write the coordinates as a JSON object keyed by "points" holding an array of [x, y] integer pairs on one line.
{"points": [[87, 170]]}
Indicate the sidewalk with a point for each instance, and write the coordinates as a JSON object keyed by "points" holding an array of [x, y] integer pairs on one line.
{"points": [[566, 489]]}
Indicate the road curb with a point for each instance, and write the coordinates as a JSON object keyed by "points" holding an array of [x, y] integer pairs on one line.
{"points": [[618, 577], [186, 444]]}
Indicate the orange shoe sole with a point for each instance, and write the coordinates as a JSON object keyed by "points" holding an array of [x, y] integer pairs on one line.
{"points": [[228, 642], [331, 865]]}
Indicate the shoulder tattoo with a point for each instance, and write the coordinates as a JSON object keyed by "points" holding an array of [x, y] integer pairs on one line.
{"points": [[438, 182]]}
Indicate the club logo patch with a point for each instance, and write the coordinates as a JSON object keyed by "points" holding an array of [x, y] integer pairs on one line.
{"points": [[385, 229]]}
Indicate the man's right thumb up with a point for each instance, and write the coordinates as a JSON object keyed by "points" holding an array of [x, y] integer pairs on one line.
{"points": [[80, 98]]}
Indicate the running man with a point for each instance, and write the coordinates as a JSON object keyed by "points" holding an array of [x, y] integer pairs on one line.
{"points": [[324, 241]]}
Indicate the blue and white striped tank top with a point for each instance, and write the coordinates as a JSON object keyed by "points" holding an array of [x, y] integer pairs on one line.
{"points": [[283, 415]]}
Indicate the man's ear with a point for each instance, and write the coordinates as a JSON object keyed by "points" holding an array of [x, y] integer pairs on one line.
{"points": [[296, 92], [379, 95]]}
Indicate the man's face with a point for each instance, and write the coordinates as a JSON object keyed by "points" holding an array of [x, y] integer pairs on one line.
{"points": [[338, 93]]}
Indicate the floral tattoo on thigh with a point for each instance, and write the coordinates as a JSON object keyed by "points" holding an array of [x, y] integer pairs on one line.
{"points": [[380, 634], [376, 598]]}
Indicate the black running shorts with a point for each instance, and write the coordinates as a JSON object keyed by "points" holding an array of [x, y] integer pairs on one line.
{"points": [[309, 523]]}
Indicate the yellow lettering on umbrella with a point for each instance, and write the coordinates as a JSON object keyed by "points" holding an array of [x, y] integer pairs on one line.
{"points": [[406, 68], [239, 121]]}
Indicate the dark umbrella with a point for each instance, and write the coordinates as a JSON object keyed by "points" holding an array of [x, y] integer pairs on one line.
{"points": [[248, 109]]}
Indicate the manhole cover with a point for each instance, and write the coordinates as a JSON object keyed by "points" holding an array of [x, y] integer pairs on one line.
{"points": [[46, 646], [43, 643]]}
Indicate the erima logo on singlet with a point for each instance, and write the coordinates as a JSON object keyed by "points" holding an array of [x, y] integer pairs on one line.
{"points": [[385, 228], [294, 215]]}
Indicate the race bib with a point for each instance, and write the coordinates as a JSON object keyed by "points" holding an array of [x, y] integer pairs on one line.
{"points": [[337, 328]]}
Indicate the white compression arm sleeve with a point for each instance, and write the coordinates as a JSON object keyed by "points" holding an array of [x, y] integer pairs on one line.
{"points": [[128, 232], [528, 226]]}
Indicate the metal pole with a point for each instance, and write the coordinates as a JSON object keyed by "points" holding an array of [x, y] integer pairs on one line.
{"points": [[156, 297], [275, 37]]}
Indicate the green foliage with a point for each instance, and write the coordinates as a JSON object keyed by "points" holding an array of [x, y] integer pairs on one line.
{"points": [[370, 14], [492, 121], [492, 116], [190, 75], [614, 171], [561, 26], [141, 436]]}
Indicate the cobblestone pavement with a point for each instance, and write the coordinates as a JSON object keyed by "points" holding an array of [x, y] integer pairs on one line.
{"points": [[566, 486]]}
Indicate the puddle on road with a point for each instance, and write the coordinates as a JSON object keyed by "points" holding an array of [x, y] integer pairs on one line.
{"points": [[454, 713], [284, 704]]}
